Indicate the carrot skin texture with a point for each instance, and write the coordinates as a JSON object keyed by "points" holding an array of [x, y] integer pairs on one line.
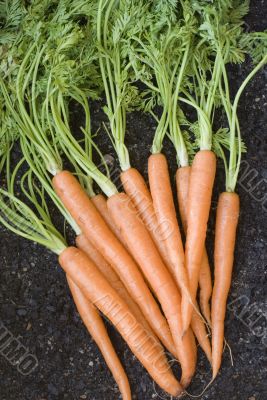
{"points": [[84, 244], [199, 202], [205, 285], [96, 327], [182, 179], [225, 237], [205, 281], [200, 332], [95, 228], [97, 290], [143, 248], [136, 188], [100, 202]]}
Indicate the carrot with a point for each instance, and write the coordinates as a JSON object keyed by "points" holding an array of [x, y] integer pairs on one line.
{"points": [[162, 193], [205, 286], [225, 237], [104, 267], [141, 245], [200, 332], [205, 283], [182, 179], [96, 289], [97, 330], [100, 203], [199, 200], [83, 211], [136, 188], [160, 187]]}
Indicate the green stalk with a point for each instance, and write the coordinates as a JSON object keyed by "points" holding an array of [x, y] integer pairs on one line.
{"points": [[20, 219], [114, 87], [235, 157]]}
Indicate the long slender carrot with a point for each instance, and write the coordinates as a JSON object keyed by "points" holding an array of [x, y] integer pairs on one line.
{"points": [[199, 201], [94, 227], [96, 288], [205, 282], [145, 252], [225, 237], [96, 327], [163, 199], [136, 188], [160, 187], [86, 246]]}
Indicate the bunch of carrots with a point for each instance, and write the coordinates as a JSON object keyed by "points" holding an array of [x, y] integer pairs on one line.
{"points": [[129, 263]]}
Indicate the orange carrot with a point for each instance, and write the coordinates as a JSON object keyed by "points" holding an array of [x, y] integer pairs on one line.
{"points": [[160, 187], [83, 211], [225, 237], [161, 191], [205, 282], [141, 245], [199, 201], [97, 330], [85, 245], [200, 332], [97, 290], [136, 188], [205, 285], [182, 178], [100, 203]]}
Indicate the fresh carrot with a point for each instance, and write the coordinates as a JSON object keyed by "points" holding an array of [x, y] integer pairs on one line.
{"points": [[136, 188], [141, 245], [104, 267], [161, 192], [96, 327], [229, 208], [96, 288], [205, 282], [94, 227], [225, 237], [199, 201]]}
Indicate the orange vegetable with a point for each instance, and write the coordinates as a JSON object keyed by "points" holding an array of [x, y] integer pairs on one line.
{"points": [[136, 188], [205, 282], [199, 201], [97, 290], [96, 327], [141, 245], [86, 246], [83, 211], [160, 187], [225, 238]]}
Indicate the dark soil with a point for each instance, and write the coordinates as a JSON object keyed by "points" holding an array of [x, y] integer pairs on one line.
{"points": [[35, 303]]}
